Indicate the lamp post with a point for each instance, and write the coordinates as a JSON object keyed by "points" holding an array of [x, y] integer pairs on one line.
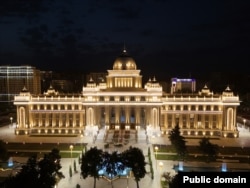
{"points": [[11, 119], [156, 149], [127, 181], [71, 148], [160, 165], [81, 141], [152, 138], [244, 121]]}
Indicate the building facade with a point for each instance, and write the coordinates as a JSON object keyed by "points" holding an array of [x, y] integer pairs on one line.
{"points": [[120, 101]]}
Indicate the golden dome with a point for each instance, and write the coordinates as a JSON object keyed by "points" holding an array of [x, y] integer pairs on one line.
{"points": [[124, 62]]}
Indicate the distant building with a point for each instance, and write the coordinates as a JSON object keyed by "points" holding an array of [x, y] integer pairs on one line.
{"points": [[183, 85], [14, 78], [121, 102], [46, 79], [62, 86], [63, 82], [97, 77]]}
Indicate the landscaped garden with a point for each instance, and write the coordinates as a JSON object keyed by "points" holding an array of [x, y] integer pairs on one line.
{"points": [[237, 154], [165, 152], [16, 149]]}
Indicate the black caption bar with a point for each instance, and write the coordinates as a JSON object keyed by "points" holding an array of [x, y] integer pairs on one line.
{"points": [[198, 179]]}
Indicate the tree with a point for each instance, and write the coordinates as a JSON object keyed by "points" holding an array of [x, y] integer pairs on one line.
{"points": [[134, 159], [75, 166], [208, 149], [91, 163], [39, 174], [49, 168], [3, 151], [27, 176], [175, 181], [70, 171], [174, 135], [113, 164], [178, 141], [55, 157], [169, 179]]}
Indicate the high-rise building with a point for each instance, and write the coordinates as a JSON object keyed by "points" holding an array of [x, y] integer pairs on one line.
{"points": [[120, 101], [14, 78]]}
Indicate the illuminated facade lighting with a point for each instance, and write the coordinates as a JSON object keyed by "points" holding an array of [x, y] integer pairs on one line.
{"points": [[120, 102]]}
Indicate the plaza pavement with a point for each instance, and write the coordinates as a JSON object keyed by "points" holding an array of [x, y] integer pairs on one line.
{"points": [[7, 134]]}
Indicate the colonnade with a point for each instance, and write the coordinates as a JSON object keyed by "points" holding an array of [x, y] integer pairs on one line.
{"points": [[89, 115], [117, 115]]}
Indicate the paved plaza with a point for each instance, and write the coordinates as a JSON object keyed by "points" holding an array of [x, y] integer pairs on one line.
{"points": [[7, 134]]}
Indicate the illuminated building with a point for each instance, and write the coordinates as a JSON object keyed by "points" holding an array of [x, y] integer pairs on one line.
{"points": [[183, 85], [121, 102], [13, 78]]}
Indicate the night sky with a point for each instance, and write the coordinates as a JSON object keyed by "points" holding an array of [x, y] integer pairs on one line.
{"points": [[165, 37]]}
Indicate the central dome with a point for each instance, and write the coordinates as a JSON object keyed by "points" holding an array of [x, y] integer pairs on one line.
{"points": [[124, 62]]}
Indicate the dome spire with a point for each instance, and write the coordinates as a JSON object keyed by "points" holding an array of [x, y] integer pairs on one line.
{"points": [[124, 61], [124, 48]]}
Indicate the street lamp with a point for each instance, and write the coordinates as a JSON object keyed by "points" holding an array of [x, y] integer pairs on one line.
{"points": [[161, 165], [11, 119], [82, 141], [244, 121], [127, 181], [71, 148], [156, 149], [152, 138]]}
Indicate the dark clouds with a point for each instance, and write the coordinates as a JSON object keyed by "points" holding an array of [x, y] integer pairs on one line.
{"points": [[164, 37]]}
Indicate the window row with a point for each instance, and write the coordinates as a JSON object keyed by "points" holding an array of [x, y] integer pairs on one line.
{"points": [[193, 107], [56, 107], [191, 117], [122, 98]]}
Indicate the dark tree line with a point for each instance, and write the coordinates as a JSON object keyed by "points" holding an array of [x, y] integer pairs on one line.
{"points": [[95, 159], [3, 151], [36, 173], [209, 150]]}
